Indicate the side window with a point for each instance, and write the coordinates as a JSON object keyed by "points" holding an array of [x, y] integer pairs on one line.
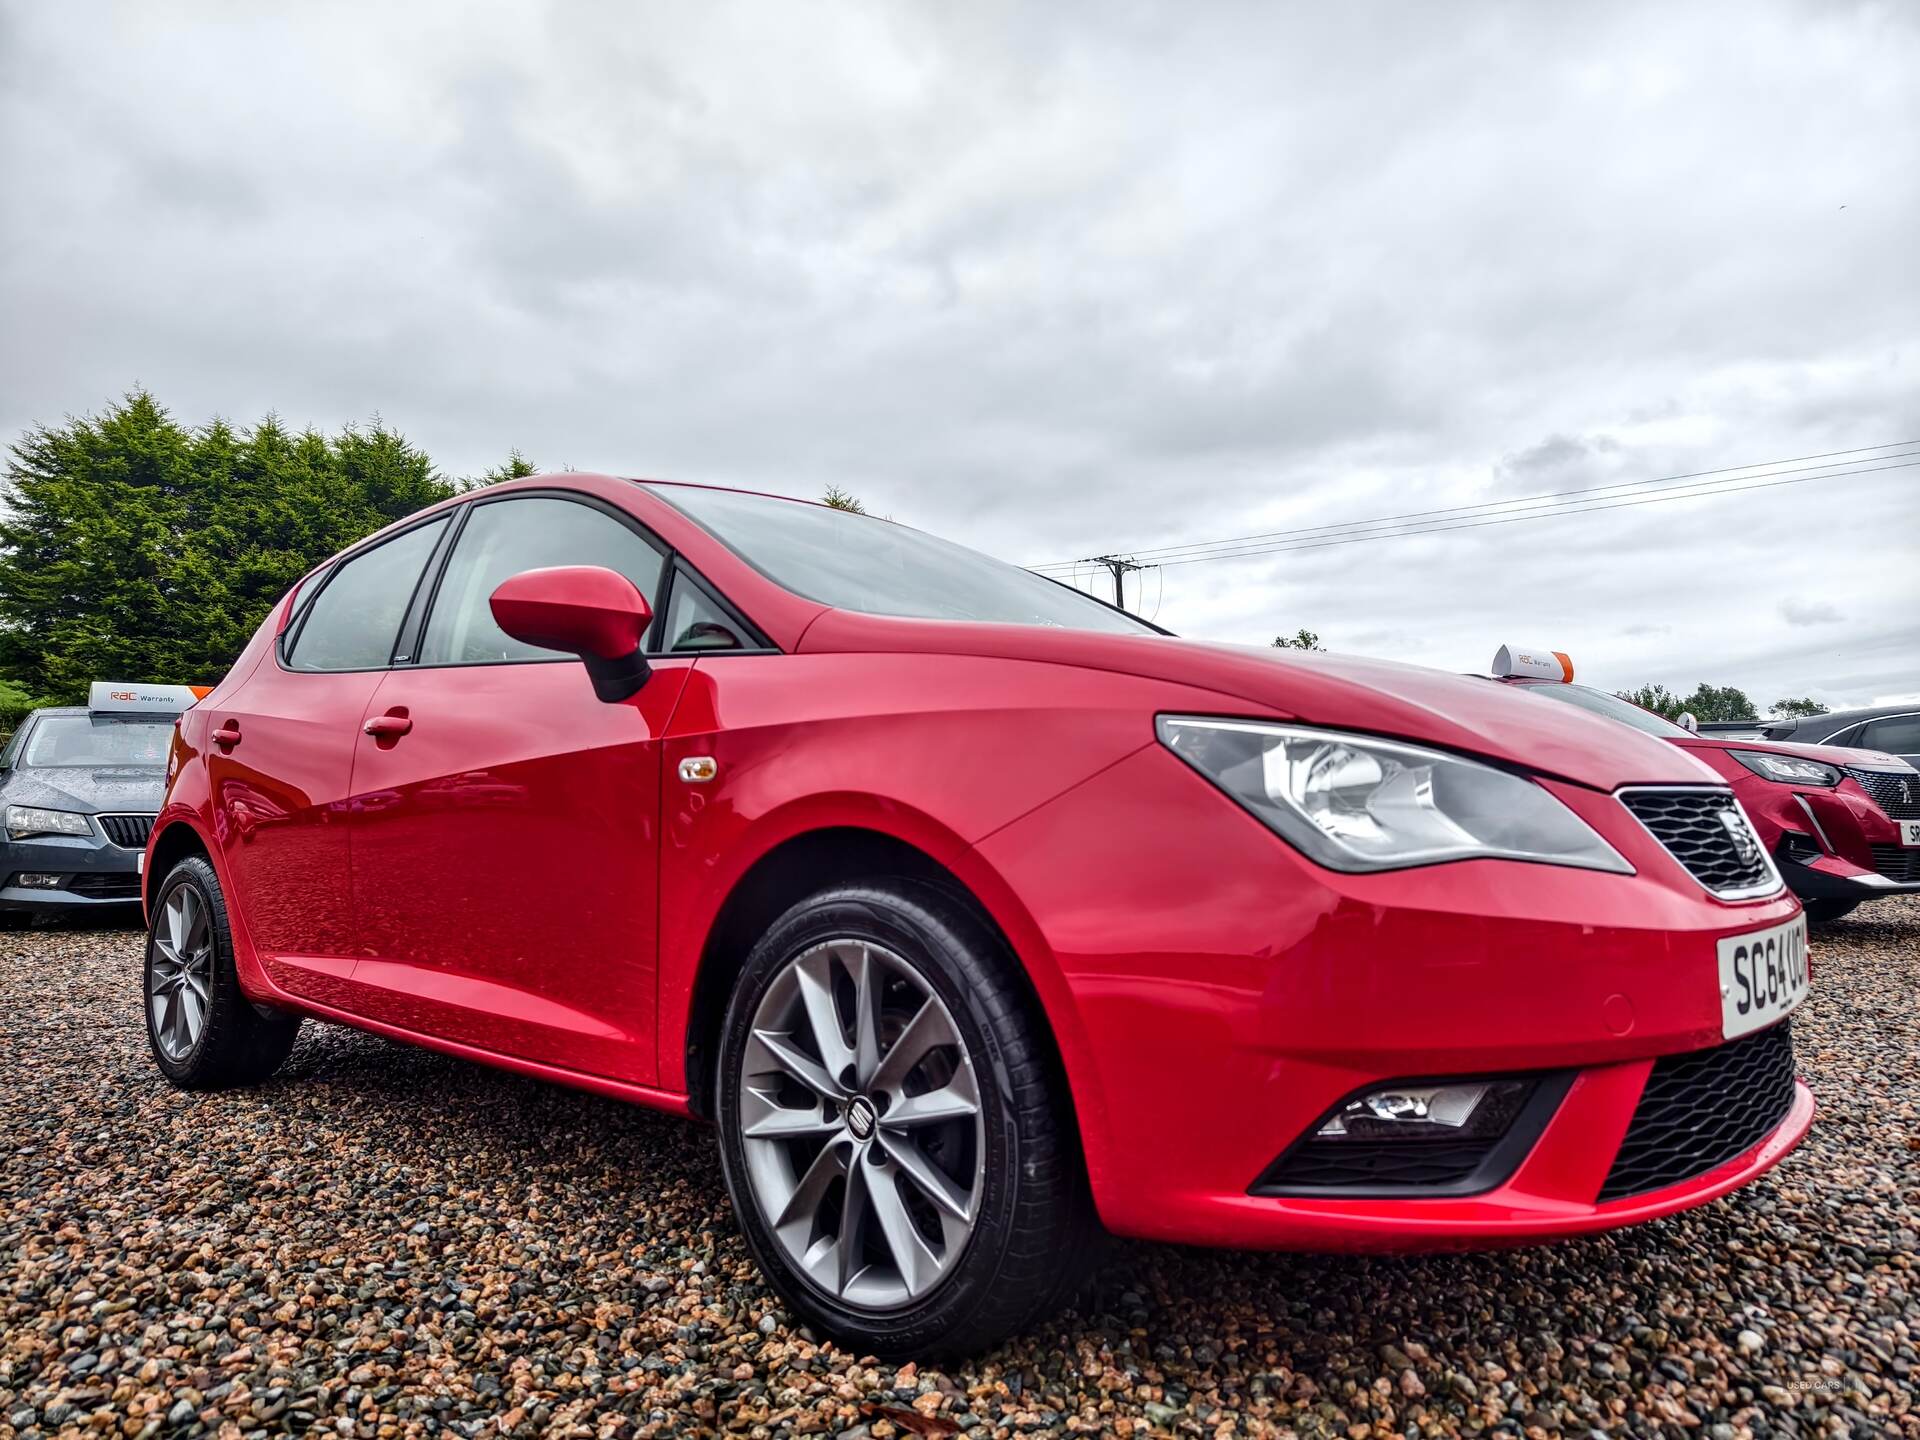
{"points": [[504, 537], [694, 622], [351, 624], [1897, 734]]}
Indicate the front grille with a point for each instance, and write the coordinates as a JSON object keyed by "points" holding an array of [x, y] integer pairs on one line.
{"points": [[1702, 1109], [99, 885], [1898, 795], [1707, 832], [1897, 862], [129, 832]]}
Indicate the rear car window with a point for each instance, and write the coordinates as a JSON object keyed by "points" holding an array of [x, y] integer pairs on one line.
{"points": [[1898, 734], [352, 623]]}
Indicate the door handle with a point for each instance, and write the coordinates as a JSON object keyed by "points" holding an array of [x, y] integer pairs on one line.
{"points": [[227, 736], [388, 727]]}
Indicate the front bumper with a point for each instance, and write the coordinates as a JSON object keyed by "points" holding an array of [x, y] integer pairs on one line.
{"points": [[94, 874], [1240, 992], [1833, 844]]}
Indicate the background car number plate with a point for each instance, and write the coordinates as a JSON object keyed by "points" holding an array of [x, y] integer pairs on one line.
{"points": [[1909, 831], [1762, 976]]}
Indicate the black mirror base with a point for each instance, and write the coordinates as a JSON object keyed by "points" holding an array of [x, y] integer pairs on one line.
{"points": [[616, 680]]}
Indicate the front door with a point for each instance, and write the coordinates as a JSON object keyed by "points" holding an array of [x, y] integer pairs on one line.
{"points": [[505, 821]]}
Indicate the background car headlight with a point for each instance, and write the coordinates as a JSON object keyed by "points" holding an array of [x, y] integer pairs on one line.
{"points": [[1788, 769], [1355, 803], [25, 820]]}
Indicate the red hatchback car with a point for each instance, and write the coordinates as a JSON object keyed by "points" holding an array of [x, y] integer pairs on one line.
{"points": [[977, 916], [1842, 826]]}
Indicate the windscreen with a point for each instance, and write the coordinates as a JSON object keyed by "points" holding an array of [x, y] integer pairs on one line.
{"points": [[97, 742], [860, 562], [1599, 702]]}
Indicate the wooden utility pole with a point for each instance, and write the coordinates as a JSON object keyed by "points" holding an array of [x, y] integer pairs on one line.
{"points": [[1119, 567]]}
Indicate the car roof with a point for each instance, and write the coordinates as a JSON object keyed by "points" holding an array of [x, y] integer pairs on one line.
{"points": [[1836, 720]]}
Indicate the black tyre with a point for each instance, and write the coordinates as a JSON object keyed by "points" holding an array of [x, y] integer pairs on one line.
{"points": [[895, 1141], [1821, 911], [204, 1032]]}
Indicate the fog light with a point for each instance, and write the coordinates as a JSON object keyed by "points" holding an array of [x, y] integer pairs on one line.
{"points": [[30, 880], [1439, 1107]]}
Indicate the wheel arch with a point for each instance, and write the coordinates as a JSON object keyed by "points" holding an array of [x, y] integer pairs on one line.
{"points": [[813, 860], [176, 839]]}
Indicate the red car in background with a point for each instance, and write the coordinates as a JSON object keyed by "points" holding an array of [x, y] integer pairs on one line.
{"points": [[1842, 825], [974, 913]]}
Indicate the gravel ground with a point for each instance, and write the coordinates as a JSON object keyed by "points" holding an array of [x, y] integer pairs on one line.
{"points": [[385, 1242]]}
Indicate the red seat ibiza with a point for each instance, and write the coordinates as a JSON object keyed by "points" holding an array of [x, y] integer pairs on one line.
{"points": [[976, 915]]}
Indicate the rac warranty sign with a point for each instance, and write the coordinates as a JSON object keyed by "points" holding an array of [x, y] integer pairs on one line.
{"points": [[107, 697]]}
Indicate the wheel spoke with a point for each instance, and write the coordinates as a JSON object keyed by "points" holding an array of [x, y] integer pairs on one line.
{"points": [[786, 1122], [868, 975], [811, 1188], [814, 977], [928, 1030], [176, 919], [808, 1071], [911, 1257], [955, 1100], [849, 1249], [196, 920], [193, 1014], [928, 1176], [164, 950]]}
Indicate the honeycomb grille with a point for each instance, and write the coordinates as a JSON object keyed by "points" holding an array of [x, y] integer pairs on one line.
{"points": [[1708, 833], [1702, 1109], [1898, 795]]}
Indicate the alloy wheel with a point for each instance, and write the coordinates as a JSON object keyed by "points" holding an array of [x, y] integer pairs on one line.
{"points": [[180, 972], [861, 1123]]}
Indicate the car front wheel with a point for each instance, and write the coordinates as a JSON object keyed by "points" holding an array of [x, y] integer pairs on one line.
{"points": [[204, 1032], [892, 1134]]}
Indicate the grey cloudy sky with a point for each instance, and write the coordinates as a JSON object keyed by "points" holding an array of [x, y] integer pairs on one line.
{"points": [[1054, 280]]}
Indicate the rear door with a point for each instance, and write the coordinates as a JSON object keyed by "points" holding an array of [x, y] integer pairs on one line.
{"points": [[505, 846], [280, 762]]}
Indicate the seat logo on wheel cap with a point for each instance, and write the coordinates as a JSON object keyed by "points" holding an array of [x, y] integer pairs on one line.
{"points": [[861, 1117]]}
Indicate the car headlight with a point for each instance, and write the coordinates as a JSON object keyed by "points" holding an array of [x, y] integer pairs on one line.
{"points": [[1788, 769], [1355, 803], [25, 820]]}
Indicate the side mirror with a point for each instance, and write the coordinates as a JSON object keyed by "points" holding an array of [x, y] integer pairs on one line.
{"points": [[585, 610], [1687, 722]]}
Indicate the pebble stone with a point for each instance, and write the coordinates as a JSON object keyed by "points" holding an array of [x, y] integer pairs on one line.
{"points": [[383, 1242]]}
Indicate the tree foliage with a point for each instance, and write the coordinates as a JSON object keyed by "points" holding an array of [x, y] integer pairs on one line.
{"points": [[841, 500], [1303, 639], [1707, 702], [1797, 709], [135, 548]]}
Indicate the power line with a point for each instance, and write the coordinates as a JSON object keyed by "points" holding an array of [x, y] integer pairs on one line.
{"points": [[1766, 469], [1580, 509]]}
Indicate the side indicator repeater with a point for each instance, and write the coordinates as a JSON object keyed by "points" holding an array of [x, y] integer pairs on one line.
{"points": [[698, 769]]}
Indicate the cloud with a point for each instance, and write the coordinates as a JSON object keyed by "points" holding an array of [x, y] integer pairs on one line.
{"points": [[1809, 612], [1054, 281]]}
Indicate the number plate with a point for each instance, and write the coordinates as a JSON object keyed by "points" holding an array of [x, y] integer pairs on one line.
{"points": [[1762, 976], [1909, 832]]}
